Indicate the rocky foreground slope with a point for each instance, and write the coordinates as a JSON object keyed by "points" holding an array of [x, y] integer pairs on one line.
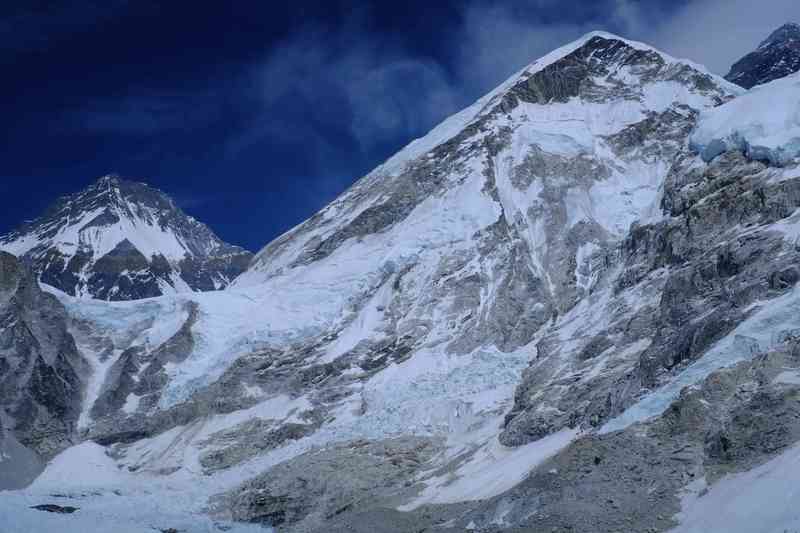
{"points": [[123, 240], [570, 307]]}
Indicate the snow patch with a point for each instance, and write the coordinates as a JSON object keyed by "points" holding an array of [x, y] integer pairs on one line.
{"points": [[788, 377], [763, 500], [109, 498], [491, 471]]}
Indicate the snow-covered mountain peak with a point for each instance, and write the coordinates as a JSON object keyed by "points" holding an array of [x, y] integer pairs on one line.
{"points": [[776, 57], [621, 58], [783, 35], [594, 105], [592, 38], [121, 239]]}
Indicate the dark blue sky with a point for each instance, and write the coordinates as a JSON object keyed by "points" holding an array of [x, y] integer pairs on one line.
{"points": [[254, 114]]}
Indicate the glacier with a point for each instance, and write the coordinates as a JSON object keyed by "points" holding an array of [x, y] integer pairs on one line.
{"points": [[764, 123]]}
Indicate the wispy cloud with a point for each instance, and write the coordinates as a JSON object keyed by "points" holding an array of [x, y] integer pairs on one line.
{"points": [[377, 89], [495, 41]]}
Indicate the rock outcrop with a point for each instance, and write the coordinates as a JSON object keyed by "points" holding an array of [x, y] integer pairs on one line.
{"points": [[41, 373]]}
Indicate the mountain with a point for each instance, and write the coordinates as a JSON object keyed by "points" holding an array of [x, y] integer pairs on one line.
{"points": [[122, 240], [776, 57], [572, 306]]}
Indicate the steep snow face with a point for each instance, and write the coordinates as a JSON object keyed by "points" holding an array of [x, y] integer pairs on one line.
{"points": [[119, 240], [776, 57], [764, 124], [566, 103]]}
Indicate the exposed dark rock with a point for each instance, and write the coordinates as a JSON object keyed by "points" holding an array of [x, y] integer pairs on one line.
{"points": [[776, 57], [41, 375], [53, 508], [318, 486]]}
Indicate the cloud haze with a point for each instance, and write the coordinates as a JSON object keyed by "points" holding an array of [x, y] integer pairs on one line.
{"points": [[373, 89]]}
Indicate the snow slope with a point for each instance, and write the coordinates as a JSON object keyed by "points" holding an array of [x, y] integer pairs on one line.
{"points": [[764, 123], [762, 500], [108, 498]]}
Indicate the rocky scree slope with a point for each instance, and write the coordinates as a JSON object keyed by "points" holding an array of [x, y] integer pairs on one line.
{"points": [[122, 240], [775, 57], [495, 330]]}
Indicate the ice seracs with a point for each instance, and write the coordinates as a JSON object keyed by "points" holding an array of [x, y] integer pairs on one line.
{"points": [[764, 123]]}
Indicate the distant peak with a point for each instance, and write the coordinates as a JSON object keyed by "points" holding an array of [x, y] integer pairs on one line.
{"points": [[115, 182], [106, 183], [776, 57], [614, 37], [785, 33], [603, 34], [116, 227], [109, 178]]}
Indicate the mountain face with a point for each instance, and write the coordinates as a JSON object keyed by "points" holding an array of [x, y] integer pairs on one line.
{"points": [[776, 57], [121, 240], [570, 307], [41, 376]]}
